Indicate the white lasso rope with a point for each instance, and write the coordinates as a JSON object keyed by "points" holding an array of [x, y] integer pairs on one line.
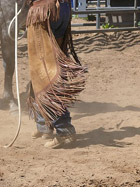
{"points": [[16, 72], [14, 19]]}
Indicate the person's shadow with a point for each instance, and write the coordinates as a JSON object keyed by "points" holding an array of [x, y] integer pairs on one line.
{"points": [[102, 136], [83, 109]]}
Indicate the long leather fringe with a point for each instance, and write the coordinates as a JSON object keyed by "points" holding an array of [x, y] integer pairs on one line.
{"points": [[61, 93], [41, 10]]}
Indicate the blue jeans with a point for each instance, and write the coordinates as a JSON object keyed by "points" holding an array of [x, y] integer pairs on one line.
{"points": [[59, 27], [63, 124]]}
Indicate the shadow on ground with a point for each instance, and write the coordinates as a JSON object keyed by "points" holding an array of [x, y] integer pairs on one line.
{"points": [[84, 109], [100, 41], [103, 137]]}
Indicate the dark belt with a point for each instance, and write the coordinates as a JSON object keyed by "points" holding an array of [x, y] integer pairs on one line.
{"points": [[63, 1]]}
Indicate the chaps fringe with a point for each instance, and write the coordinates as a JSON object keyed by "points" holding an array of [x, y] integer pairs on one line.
{"points": [[41, 10]]}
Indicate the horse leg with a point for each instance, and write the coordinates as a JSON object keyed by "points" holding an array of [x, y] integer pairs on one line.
{"points": [[8, 54]]}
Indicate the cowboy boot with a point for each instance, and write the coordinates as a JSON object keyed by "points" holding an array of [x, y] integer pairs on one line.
{"points": [[59, 141], [38, 134]]}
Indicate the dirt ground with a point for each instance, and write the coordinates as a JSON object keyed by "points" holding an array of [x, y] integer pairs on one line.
{"points": [[107, 121]]}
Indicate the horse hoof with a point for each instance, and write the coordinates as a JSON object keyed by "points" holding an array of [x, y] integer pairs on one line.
{"points": [[13, 108]]}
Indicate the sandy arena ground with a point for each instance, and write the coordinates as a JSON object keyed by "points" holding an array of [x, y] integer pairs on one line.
{"points": [[107, 120]]}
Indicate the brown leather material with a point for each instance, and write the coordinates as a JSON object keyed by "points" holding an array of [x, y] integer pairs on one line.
{"points": [[41, 58], [42, 10], [59, 41]]}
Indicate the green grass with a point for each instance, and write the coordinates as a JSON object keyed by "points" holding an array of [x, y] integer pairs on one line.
{"points": [[107, 26]]}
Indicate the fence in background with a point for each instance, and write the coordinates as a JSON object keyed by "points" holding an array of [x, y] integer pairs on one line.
{"points": [[103, 7]]}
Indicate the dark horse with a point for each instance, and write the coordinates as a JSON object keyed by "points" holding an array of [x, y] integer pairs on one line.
{"points": [[7, 12]]}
